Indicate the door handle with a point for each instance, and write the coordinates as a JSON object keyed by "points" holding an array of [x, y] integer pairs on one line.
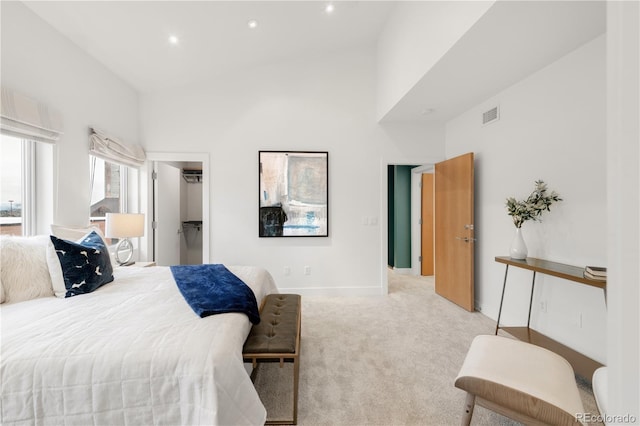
{"points": [[466, 239]]}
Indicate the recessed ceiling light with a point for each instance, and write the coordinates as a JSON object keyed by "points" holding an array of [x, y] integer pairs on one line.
{"points": [[252, 24], [329, 8], [173, 39]]}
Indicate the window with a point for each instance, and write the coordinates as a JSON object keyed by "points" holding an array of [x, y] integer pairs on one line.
{"points": [[25, 181], [17, 191], [108, 189]]}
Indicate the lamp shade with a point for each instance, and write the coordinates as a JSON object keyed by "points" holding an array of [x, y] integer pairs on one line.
{"points": [[124, 225]]}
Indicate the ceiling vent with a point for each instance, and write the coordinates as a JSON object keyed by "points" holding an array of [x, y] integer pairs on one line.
{"points": [[491, 115]]}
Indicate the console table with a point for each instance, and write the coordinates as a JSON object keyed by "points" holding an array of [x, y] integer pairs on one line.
{"points": [[582, 365]]}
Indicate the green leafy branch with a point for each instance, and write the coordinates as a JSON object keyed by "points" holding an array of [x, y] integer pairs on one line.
{"points": [[532, 208]]}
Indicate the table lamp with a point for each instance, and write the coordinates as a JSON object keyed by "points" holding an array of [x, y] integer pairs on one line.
{"points": [[124, 226]]}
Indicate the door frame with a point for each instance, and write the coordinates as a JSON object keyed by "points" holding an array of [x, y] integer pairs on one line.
{"points": [[427, 223], [146, 196], [384, 182]]}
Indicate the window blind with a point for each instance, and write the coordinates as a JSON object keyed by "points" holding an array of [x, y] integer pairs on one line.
{"points": [[115, 150], [27, 118]]}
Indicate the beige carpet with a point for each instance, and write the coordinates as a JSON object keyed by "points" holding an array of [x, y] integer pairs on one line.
{"points": [[382, 361]]}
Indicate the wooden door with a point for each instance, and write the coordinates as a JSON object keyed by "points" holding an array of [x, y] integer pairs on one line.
{"points": [[454, 233], [426, 226]]}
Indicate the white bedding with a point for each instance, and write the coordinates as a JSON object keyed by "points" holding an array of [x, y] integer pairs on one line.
{"points": [[132, 352]]}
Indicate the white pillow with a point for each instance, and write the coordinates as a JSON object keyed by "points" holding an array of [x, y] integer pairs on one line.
{"points": [[55, 271], [71, 233], [23, 268]]}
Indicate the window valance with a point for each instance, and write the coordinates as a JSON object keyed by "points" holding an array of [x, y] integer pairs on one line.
{"points": [[26, 118], [115, 150]]}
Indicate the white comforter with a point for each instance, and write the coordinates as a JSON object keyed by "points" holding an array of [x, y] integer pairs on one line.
{"points": [[132, 352]]}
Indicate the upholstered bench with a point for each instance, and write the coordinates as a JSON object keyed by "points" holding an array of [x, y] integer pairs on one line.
{"points": [[522, 381], [277, 339]]}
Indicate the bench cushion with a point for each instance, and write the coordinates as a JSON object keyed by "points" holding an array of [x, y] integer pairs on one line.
{"points": [[278, 328], [522, 378]]}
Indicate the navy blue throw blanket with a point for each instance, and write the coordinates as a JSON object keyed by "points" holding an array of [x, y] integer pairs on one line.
{"points": [[213, 289]]}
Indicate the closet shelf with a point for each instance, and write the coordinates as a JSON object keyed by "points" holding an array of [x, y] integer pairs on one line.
{"points": [[192, 175], [192, 224]]}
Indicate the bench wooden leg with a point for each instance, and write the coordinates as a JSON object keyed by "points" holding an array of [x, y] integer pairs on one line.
{"points": [[296, 379], [469, 404], [254, 372]]}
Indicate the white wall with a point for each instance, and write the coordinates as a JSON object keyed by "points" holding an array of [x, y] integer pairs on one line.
{"points": [[623, 186], [552, 127], [39, 62], [313, 103], [415, 37]]}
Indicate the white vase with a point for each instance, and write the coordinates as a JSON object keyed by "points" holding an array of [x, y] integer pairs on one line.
{"points": [[518, 248]]}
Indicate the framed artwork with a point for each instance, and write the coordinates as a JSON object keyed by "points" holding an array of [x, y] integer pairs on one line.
{"points": [[293, 194]]}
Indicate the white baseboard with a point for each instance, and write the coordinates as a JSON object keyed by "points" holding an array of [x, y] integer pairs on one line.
{"points": [[403, 271]]}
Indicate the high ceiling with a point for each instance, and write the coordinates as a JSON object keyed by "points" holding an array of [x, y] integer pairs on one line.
{"points": [[131, 37]]}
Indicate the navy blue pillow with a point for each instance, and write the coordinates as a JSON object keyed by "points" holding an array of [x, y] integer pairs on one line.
{"points": [[85, 264]]}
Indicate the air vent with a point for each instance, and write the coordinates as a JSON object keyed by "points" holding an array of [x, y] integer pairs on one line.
{"points": [[491, 115]]}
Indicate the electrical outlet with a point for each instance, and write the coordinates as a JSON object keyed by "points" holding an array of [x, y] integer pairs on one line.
{"points": [[543, 306], [307, 270], [576, 320]]}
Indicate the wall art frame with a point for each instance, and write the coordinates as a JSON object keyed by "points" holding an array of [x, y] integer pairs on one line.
{"points": [[293, 194]]}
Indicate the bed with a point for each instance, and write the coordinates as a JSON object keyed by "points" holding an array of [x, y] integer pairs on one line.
{"points": [[130, 352]]}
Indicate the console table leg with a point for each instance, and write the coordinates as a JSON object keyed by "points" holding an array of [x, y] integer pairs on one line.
{"points": [[504, 285], [533, 284]]}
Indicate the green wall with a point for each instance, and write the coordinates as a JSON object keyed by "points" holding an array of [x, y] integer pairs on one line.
{"points": [[391, 237], [399, 205]]}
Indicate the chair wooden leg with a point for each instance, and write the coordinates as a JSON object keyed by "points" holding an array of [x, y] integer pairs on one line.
{"points": [[469, 404]]}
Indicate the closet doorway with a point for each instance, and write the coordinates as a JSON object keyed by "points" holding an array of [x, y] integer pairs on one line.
{"points": [[178, 208]]}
